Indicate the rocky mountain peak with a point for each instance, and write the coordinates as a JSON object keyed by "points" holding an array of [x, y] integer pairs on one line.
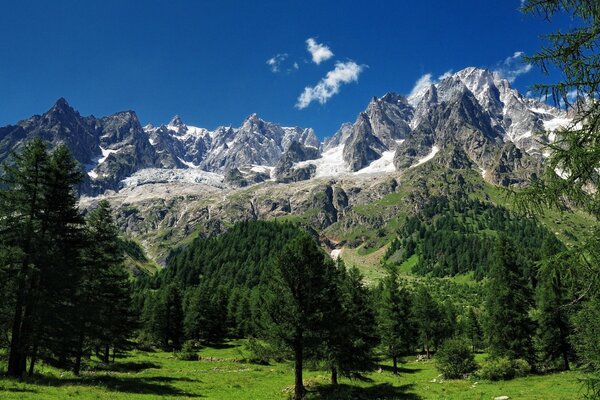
{"points": [[176, 121], [60, 108]]}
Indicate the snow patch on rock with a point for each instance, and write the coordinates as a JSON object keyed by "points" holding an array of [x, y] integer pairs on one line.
{"points": [[432, 153], [162, 175]]}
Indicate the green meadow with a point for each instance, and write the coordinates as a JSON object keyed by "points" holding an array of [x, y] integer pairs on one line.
{"points": [[224, 373]]}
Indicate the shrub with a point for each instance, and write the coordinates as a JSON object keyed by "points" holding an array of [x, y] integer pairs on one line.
{"points": [[455, 359], [188, 351], [503, 368], [260, 352]]}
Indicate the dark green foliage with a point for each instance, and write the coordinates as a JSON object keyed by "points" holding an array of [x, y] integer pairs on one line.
{"points": [[163, 316], [503, 368], [349, 345], [554, 327], [241, 256], [473, 329], [105, 288], [576, 151], [454, 359], [205, 310], [509, 328], [188, 351], [221, 279], [395, 322], [434, 321], [301, 303], [457, 236], [66, 295]]}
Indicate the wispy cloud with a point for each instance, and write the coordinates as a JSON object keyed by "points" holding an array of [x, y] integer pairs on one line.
{"points": [[275, 62], [512, 67], [422, 85], [344, 72], [319, 52]]}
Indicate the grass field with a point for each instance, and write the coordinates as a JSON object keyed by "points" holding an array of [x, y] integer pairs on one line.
{"points": [[221, 374]]}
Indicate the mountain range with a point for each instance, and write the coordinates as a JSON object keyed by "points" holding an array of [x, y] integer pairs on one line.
{"points": [[172, 180]]}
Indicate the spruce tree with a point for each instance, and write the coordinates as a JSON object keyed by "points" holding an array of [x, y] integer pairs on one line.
{"points": [[429, 320], [298, 302], [554, 327], [105, 290], [509, 328], [473, 329], [350, 344], [60, 265], [24, 185], [395, 320]]}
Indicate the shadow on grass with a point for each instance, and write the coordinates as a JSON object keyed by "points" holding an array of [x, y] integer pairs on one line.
{"points": [[401, 370], [156, 385], [17, 390], [132, 366], [380, 391], [220, 345]]}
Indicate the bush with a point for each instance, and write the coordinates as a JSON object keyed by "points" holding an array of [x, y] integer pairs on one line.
{"points": [[188, 351], [455, 359], [503, 368], [260, 352]]}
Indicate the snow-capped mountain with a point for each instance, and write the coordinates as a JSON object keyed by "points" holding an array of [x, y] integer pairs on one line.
{"points": [[472, 119]]}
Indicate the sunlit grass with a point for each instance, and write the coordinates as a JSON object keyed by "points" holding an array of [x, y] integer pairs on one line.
{"points": [[221, 373]]}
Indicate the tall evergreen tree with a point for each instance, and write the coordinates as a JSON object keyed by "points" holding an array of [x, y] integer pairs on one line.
{"points": [[395, 320], [60, 263], [554, 327], [509, 329], [350, 344], [473, 329], [24, 185], [106, 317], [299, 300], [165, 317], [432, 321]]}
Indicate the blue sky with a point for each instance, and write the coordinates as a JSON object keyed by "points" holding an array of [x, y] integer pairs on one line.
{"points": [[207, 60]]}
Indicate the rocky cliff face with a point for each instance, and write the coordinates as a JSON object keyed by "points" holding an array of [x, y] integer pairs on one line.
{"points": [[472, 119]]}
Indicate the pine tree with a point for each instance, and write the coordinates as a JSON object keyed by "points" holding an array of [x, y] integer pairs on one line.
{"points": [[554, 327], [395, 321], [350, 344], [60, 264], [105, 291], [21, 201], [509, 329], [298, 302], [165, 322], [473, 329], [429, 319]]}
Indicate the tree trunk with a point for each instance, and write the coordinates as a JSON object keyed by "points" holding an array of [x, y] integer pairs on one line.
{"points": [[106, 354], [33, 359], [395, 359], [77, 367], [334, 376], [566, 360], [16, 349], [298, 384]]}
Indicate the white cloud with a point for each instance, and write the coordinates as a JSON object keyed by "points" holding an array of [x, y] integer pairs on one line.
{"points": [[319, 52], [344, 72], [275, 62], [422, 85], [512, 67]]}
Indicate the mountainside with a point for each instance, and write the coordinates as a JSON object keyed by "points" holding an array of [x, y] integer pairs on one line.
{"points": [[469, 130], [472, 118]]}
